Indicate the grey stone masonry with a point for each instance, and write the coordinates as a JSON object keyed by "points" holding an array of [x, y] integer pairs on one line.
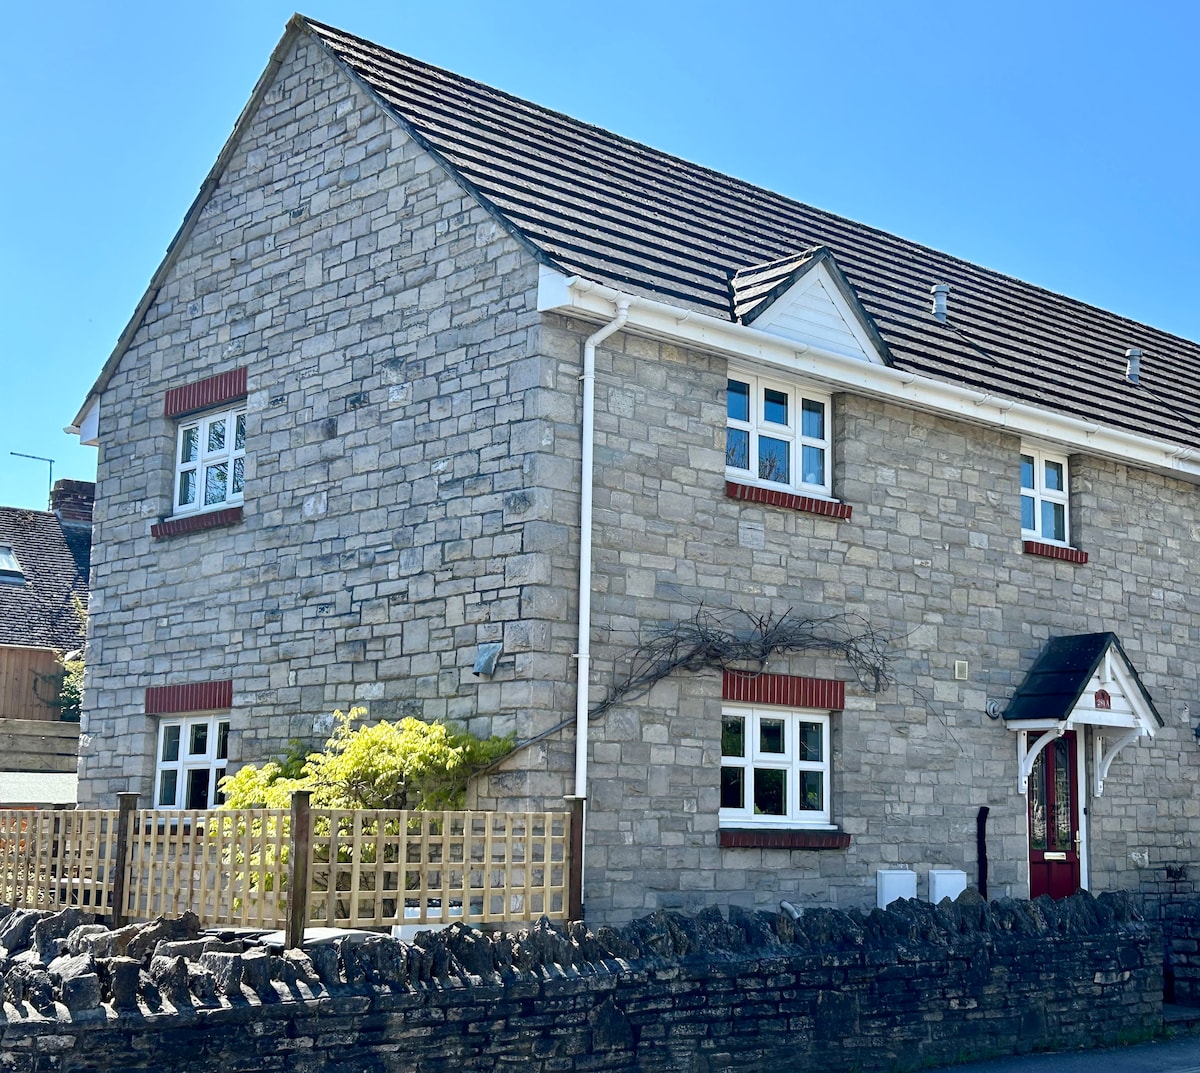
{"points": [[412, 491], [404, 463]]}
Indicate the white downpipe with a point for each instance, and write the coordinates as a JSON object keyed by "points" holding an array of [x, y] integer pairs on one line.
{"points": [[584, 656]]}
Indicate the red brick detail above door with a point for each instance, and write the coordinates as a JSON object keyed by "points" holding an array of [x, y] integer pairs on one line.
{"points": [[763, 839], [212, 391], [787, 690], [1055, 551], [193, 523], [772, 497], [193, 697]]}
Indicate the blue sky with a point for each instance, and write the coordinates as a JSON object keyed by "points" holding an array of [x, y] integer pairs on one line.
{"points": [[1054, 141]]}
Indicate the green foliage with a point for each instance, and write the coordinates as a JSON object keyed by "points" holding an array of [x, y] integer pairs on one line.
{"points": [[404, 765], [70, 694]]}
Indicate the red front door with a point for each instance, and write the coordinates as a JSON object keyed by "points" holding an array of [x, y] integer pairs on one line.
{"points": [[1054, 821]]}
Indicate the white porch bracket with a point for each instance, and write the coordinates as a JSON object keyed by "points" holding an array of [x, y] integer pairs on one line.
{"points": [[1105, 757], [1027, 755]]}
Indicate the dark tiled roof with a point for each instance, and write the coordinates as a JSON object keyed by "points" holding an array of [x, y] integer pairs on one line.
{"points": [[1061, 673], [55, 560], [597, 205], [756, 287]]}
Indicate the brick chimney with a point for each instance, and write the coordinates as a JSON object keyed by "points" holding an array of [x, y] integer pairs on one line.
{"points": [[72, 501]]}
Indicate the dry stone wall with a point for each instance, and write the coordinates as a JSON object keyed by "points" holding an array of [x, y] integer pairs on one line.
{"points": [[807, 991]]}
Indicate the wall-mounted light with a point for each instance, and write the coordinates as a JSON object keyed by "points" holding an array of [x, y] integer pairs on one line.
{"points": [[486, 659]]}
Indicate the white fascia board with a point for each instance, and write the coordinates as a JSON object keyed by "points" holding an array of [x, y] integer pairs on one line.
{"points": [[575, 296], [87, 427]]}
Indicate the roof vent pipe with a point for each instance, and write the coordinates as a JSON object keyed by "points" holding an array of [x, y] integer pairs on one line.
{"points": [[1134, 357], [939, 292]]}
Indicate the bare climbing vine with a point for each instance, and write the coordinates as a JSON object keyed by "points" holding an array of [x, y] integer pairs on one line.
{"points": [[737, 640]]}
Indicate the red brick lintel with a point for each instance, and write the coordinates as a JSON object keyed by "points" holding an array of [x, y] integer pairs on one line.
{"points": [[772, 497], [1055, 551], [788, 690], [768, 839], [193, 523], [191, 697], [202, 394]]}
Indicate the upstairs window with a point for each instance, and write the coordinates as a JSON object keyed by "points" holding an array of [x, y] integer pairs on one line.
{"points": [[777, 435], [774, 768], [192, 756], [210, 461], [1044, 497]]}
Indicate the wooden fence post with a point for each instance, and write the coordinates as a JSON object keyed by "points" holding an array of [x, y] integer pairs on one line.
{"points": [[298, 842], [126, 806], [575, 864]]}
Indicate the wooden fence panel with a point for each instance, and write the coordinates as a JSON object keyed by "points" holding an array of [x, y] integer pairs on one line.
{"points": [[229, 867], [52, 859], [365, 868], [27, 683], [375, 868]]}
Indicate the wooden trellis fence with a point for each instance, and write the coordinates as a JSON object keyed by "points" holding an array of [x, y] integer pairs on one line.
{"points": [[240, 867]]}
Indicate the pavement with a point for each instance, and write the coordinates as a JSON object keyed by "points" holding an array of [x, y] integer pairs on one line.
{"points": [[1180, 1054]]}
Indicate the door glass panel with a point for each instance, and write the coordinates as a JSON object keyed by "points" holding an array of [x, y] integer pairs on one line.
{"points": [[1062, 796], [1037, 803], [770, 792]]}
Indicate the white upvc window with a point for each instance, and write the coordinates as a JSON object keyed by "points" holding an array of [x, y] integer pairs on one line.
{"points": [[193, 752], [774, 768], [210, 460], [1044, 496], [776, 434]]}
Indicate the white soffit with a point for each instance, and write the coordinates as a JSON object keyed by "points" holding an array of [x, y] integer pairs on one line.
{"points": [[575, 296], [814, 312]]}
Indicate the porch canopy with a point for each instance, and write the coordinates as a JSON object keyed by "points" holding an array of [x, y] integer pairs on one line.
{"points": [[1081, 680]]}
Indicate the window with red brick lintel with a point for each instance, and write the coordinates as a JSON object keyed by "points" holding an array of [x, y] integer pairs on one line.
{"points": [[776, 761], [210, 450], [193, 742]]}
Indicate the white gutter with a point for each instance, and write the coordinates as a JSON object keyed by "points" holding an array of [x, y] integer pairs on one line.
{"points": [[581, 297], [584, 656]]}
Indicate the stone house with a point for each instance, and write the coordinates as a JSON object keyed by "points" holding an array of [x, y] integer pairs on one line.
{"points": [[872, 561], [44, 557]]}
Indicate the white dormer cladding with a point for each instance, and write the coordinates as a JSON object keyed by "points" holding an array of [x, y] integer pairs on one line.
{"points": [[813, 311], [1112, 704], [576, 296]]}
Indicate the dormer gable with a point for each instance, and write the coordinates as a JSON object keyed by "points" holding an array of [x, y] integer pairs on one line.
{"points": [[806, 297]]}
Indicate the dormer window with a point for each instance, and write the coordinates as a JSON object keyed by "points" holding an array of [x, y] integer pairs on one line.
{"points": [[10, 569], [777, 435]]}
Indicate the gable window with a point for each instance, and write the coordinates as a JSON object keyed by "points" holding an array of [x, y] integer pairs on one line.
{"points": [[774, 768], [1044, 499], [210, 461], [192, 757], [776, 435]]}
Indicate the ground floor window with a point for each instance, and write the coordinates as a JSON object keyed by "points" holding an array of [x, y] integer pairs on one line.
{"points": [[774, 767], [193, 752]]}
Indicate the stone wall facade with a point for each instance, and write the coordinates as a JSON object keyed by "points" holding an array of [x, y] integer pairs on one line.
{"points": [[412, 491], [819, 991], [401, 465]]}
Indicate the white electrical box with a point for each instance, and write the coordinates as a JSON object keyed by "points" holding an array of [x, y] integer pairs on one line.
{"points": [[893, 883], [946, 883]]}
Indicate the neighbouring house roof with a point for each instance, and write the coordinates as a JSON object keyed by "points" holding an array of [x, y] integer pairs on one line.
{"points": [[1057, 679], [54, 557], [591, 203]]}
